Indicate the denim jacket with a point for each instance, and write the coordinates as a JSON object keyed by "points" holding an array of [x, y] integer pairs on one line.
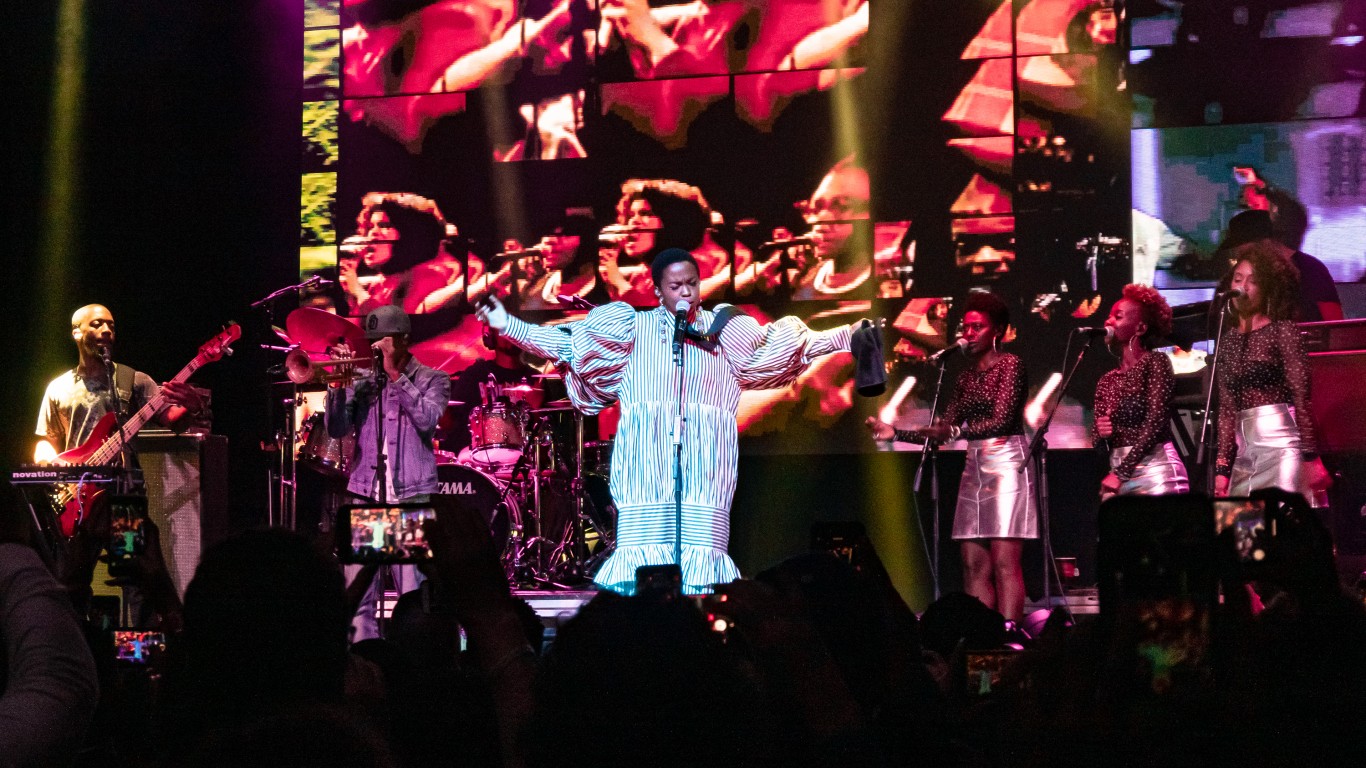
{"points": [[412, 406]]}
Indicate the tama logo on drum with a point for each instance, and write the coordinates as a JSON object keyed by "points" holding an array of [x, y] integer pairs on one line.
{"points": [[456, 488]]}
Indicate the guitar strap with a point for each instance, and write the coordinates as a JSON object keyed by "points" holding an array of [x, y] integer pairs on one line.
{"points": [[123, 384]]}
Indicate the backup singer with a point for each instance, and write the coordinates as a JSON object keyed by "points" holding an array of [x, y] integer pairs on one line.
{"points": [[996, 508], [617, 354], [1133, 402], [1266, 430]]}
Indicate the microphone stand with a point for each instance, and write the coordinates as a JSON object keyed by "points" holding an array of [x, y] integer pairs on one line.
{"points": [[678, 444], [381, 479], [931, 455], [1038, 452], [273, 295], [1206, 434]]}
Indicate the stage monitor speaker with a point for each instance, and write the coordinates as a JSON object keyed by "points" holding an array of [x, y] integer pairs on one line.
{"points": [[186, 477]]}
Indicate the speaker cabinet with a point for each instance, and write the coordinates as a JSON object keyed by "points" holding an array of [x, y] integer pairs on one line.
{"points": [[1337, 402], [186, 478]]}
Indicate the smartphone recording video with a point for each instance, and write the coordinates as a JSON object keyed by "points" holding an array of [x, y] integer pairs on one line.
{"points": [[137, 646], [383, 534], [841, 539], [127, 539], [1248, 521], [661, 582]]}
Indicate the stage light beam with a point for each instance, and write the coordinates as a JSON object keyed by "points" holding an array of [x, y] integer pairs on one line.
{"points": [[61, 220]]}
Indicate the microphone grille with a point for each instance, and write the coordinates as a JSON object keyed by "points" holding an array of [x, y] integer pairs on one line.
{"points": [[681, 306]]}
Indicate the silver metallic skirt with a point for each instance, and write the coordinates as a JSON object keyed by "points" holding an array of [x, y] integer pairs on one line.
{"points": [[1160, 472], [1268, 451], [995, 499]]}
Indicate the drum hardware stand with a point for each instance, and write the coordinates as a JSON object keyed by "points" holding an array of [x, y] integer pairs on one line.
{"points": [[1038, 454], [284, 498], [523, 573], [575, 569], [930, 455], [1209, 464]]}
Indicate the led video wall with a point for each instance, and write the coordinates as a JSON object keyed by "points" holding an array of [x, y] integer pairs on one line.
{"points": [[829, 159], [1248, 105]]}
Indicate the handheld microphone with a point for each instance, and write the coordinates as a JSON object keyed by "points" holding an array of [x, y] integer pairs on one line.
{"points": [[788, 242], [1100, 330], [958, 346], [104, 354], [1230, 294]]}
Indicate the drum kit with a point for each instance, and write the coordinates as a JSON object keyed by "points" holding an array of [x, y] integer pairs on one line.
{"points": [[527, 468]]}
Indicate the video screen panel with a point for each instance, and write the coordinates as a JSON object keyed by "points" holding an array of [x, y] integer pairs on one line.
{"points": [[544, 151]]}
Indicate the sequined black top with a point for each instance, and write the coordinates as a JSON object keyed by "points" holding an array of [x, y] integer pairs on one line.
{"points": [[987, 403], [1263, 367], [1138, 402]]}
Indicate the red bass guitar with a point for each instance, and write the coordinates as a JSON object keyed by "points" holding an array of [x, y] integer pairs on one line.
{"points": [[106, 441]]}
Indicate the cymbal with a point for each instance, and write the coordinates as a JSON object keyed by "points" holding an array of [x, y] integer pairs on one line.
{"points": [[546, 376], [315, 330], [520, 388], [454, 403], [555, 406]]}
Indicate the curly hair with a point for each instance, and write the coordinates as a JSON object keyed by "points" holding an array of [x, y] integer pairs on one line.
{"points": [[1278, 280], [1157, 313], [418, 220], [991, 306], [681, 208]]}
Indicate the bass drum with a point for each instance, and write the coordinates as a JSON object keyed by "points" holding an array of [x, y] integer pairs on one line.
{"points": [[469, 488], [323, 452]]}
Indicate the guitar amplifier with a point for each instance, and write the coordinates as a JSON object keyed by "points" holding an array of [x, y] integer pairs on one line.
{"points": [[1334, 336], [1336, 400], [186, 478]]}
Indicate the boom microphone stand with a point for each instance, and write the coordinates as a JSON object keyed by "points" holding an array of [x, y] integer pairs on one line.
{"points": [[1207, 434], [1038, 452]]}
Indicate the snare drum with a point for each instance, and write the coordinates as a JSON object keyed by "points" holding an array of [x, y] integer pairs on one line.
{"points": [[323, 452], [495, 435], [470, 488]]}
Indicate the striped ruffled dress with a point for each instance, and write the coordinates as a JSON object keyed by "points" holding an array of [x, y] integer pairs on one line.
{"points": [[619, 354]]}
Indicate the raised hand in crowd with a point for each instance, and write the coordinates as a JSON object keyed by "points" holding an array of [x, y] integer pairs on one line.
{"points": [[470, 576]]}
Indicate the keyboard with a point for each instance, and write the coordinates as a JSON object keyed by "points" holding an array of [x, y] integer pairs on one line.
{"points": [[38, 474]]}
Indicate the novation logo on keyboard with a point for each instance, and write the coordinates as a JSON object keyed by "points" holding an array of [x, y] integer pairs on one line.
{"points": [[456, 489]]}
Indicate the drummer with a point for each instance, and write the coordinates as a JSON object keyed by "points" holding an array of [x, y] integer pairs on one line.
{"points": [[468, 386]]}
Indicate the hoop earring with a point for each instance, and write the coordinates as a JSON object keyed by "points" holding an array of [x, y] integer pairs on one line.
{"points": [[994, 347]]}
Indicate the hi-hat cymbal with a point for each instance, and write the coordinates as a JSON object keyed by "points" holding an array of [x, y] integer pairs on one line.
{"points": [[519, 388], [315, 331], [547, 376], [454, 403]]}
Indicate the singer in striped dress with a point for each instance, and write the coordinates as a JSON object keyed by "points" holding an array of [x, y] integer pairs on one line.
{"points": [[617, 354]]}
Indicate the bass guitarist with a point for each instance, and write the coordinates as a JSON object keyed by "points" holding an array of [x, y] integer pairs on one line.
{"points": [[76, 401]]}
